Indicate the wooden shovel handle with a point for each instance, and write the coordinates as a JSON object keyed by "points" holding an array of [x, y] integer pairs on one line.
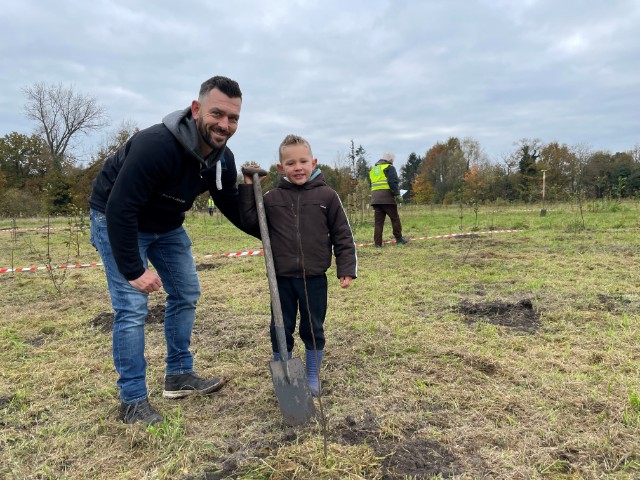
{"points": [[268, 257]]}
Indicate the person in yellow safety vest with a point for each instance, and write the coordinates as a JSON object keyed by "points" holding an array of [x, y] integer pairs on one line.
{"points": [[384, 189], [211, 206]]}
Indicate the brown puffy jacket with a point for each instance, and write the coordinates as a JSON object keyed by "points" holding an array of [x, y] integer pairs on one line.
{"points": [[306, 222]]}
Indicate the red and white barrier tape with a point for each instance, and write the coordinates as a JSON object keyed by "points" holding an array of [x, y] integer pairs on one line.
{"points": [[49, 267], [450, 235], [11, 229], [250, 253]]}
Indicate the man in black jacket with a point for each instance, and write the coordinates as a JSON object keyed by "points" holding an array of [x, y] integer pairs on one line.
{"points": [[138, 205]]}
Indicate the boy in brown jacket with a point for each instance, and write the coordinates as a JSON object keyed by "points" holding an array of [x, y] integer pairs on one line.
{"points": [[306, 222]]}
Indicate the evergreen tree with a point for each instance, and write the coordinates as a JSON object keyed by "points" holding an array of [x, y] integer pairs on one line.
{"points": [[409, 172]]}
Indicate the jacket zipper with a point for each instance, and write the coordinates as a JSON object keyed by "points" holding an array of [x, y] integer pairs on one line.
{"points": [[296, 214]]}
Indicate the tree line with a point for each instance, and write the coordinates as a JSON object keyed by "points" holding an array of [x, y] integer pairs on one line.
{"points": [[39, 173]]}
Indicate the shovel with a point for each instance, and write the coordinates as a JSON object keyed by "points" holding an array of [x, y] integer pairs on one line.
{"points": [[289, 377]]}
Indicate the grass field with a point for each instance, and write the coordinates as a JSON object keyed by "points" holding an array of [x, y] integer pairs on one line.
{"points": [[512, 355]]}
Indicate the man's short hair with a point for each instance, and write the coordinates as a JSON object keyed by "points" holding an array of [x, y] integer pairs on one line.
{"points": [[227, 86]]}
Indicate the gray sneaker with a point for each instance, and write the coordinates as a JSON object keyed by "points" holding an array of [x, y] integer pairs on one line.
{"points": [[141, 411], [180, 386], [402, 240]]}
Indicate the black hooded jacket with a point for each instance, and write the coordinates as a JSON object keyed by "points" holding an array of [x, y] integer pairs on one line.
{"points": [[149, 184]]}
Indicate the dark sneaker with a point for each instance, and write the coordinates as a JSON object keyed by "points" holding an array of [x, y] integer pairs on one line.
{"points": [[379, 246], [141, 411], [402, 240], [180, 386]]}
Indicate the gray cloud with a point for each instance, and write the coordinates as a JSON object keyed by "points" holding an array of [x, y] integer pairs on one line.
{"points": [[391, 75]]}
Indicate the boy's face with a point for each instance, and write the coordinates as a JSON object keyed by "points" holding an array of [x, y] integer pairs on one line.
{"points": [[297, 163]]}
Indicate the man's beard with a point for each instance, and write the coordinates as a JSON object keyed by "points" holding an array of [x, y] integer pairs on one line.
{"points": [[206, 135]]}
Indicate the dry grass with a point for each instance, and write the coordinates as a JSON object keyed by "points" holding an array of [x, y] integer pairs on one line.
{"points": [[507, 356]]}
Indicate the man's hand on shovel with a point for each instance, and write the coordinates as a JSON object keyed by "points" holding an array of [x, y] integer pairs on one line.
{"points": [[251, 168]]}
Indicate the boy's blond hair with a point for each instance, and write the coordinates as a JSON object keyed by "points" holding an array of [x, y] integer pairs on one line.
{"points": [[290, 140]]}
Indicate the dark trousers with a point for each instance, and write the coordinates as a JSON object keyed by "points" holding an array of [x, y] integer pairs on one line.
{"points": [[380, 213], [292, 300]]}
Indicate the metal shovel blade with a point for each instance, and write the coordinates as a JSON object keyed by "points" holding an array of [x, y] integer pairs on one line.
{"points": [[292, 391]]}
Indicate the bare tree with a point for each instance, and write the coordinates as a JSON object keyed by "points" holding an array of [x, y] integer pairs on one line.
{"points": [[61, 114], [473, 152], [116, 139], [510, 161], [635, 153], [580, 155]]}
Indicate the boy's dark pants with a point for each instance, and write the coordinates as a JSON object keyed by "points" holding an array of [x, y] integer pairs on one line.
{"points": [[292, 299], [379, 214]]}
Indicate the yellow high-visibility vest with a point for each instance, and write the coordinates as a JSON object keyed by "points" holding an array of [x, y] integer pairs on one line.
{"points": [[210, 203], [378, 178]]}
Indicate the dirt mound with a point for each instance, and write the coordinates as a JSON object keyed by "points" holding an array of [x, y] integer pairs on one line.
{"points": [[518, 315], [5, 401], [104, 321], [200, 267], [408, 457], [417, 458]]}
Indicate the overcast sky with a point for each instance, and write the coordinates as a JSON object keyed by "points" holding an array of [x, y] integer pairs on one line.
{"points": [[391, 75]]}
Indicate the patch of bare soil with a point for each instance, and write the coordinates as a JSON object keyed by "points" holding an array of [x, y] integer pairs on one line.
{"points": [[5, 402], [519, 315], [206, 266], [226, 472], [226, 467], [35, 341], [156, 314], [417, 459], [104, 321], [409, 457], [613, 303]]}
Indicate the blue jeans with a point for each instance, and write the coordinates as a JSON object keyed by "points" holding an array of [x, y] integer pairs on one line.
{"points": [[170, 254]]}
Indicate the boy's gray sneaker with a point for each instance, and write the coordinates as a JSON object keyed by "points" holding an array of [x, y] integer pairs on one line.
{"points": [[402, 240], [141, 411], [180, 386]]}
